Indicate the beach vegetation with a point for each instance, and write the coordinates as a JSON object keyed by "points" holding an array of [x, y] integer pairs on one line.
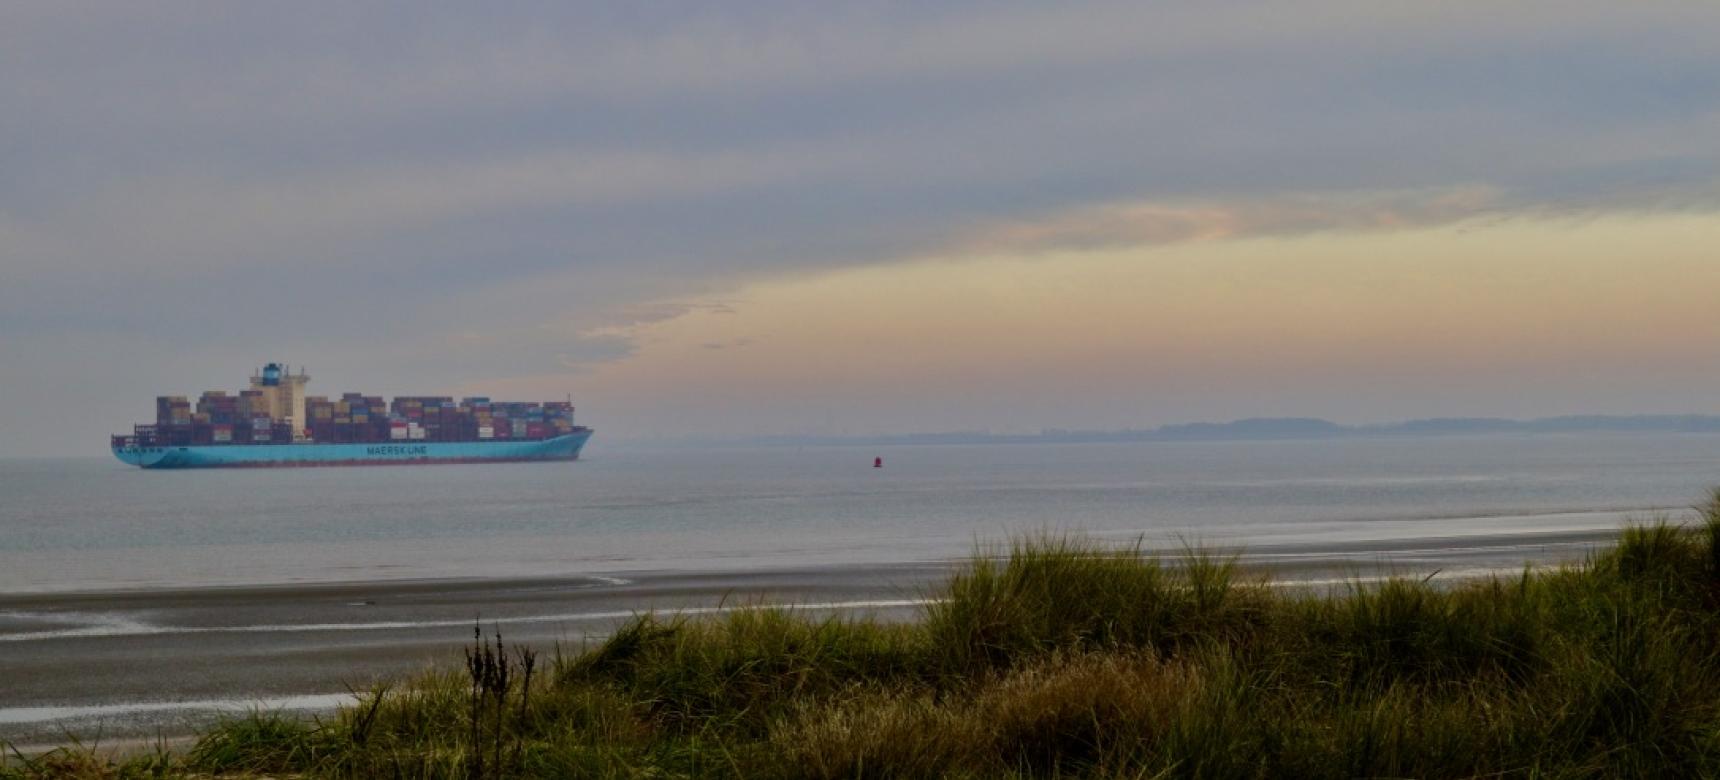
{"points": [[1061, 657]]}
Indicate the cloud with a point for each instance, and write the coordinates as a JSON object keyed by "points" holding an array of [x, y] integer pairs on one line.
{"points": [[195, 224], [762, 136], [1148, 223], [506, 192]]}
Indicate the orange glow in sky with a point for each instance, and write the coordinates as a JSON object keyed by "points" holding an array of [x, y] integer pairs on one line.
{"points": [[1543, 298]]}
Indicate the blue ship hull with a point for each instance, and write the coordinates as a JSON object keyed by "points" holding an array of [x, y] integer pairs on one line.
{"points": [[565, 447]]}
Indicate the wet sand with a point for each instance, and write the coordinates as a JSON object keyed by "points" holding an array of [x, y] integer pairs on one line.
{"points": [[137, 664], [142, 664]]}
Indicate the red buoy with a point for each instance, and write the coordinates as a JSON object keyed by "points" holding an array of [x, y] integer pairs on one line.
{"points": [[877, 463]]}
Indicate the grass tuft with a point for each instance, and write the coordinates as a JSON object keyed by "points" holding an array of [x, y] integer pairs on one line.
{"points": [[1056, 594], [261, 742]]}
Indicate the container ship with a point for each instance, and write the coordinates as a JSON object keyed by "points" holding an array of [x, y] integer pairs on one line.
{"points": [[275, 423]]}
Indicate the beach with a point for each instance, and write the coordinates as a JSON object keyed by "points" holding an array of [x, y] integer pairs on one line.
{"points": [[140, 665]]}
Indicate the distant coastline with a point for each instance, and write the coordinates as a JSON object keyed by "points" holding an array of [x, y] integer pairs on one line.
{"points": [[1275, 428]]}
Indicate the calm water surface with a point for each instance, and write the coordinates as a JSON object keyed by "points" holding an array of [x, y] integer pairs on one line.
{"points": [[97, 524]]}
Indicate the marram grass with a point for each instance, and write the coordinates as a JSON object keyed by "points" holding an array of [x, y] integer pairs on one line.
{"points": [[1063, 659]]}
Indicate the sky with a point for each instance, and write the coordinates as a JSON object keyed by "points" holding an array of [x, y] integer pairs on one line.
{"points": [[759, 218]]}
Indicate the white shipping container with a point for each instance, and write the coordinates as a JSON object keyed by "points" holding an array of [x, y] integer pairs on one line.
{"points": [[417, 433], [486, 433], [397, 433]]}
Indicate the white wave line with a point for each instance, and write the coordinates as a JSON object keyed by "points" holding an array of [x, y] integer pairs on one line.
{"points": [[121, 627], [317, 701], [1374, 579]]}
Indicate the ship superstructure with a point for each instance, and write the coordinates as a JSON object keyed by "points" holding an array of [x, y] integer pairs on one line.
{"points": [[275, 423]]}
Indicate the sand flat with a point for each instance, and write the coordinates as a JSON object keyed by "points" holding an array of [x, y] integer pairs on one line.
{"points": [[144, 663]]}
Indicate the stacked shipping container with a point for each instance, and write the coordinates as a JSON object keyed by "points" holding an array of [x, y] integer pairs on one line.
{"points": [[354, 418]]}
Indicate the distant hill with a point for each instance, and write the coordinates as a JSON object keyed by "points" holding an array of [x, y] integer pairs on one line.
{"points": [[1667, 423], [1253, 428], [1268, 428]]}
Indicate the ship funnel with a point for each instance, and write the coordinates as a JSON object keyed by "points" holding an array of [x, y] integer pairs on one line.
{"points": [[272, 374]]}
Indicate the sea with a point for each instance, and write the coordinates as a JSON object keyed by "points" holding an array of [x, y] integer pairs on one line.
{"points": [[94, 524]]}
